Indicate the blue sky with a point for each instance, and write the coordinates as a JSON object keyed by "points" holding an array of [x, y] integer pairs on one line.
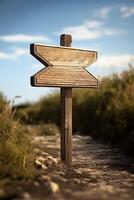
{"points": [[103, 25]]}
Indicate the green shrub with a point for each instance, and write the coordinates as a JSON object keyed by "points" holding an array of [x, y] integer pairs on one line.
{"points": [[106, 113], [48, 129], [47, 111], [2, 102]]}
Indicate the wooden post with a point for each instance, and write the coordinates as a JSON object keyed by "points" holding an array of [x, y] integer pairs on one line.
{"points": [[66, 113]]}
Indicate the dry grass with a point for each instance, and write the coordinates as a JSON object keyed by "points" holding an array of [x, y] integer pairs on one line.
{"points": [[16, 152]]}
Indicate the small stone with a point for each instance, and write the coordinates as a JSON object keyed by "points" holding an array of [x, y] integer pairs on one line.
{"points": [[76, 180], [54, 160], [61, 173], [41, 159], [36, 183], [78, 172], [26, 196], [45, 178], [43, 166], [86, 180], [38, 163], [44, 154], [54, 187]]}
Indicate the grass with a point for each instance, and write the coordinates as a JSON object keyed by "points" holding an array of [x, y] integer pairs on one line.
{"points": [[16, 152], [46, 129]]}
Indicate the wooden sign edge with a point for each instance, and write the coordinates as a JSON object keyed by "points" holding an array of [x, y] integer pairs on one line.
{"points": [[63, 47], [33, 80], [33, 52]]}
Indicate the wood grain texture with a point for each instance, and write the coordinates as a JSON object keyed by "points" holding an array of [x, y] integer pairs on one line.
{"points": [[66, 113], [65, 68], [66, 125], [67, 56], [62, 76], [65, 40]]}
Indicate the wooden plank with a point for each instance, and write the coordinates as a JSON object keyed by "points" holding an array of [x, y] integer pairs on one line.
{"points": [[58, 76], [66, 115], [66, 125], [62, 127], [67, 56]]}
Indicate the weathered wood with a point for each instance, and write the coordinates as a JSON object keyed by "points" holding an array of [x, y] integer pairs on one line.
{"points": [[67, 56], [62, 127], [64, 68], [65, 40], [62, 76], [66, 125], [66, 115]]}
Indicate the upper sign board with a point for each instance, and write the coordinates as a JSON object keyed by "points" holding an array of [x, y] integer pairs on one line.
{"points": [[65, 66]]}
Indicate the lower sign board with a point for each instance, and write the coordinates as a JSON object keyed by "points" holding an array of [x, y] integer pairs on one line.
{"points": [[65, 67]]}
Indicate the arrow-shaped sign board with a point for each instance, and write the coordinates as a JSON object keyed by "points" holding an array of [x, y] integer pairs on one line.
{"points": [[64, 67]]}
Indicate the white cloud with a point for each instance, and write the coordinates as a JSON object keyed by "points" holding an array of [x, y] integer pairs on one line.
{"points": [[24, 38], [93, 24], [20, 51], [82, 32], [17, 52], [103, 12], [109, 64], [3, 55], [115, 60], [127, 11], [91, 29]]}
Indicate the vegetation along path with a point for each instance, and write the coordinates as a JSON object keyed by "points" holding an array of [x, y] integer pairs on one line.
{"points": [[98, 171]]}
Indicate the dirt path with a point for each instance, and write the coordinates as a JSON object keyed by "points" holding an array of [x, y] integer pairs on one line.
{"points": [[113, 173], [98, 172]]}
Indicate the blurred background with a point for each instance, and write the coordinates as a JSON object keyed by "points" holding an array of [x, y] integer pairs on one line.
{"points": [[27, 113], [102, 25]]}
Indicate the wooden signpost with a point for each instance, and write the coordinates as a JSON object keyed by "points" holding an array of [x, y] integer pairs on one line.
{"points": [[64, 68]]}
